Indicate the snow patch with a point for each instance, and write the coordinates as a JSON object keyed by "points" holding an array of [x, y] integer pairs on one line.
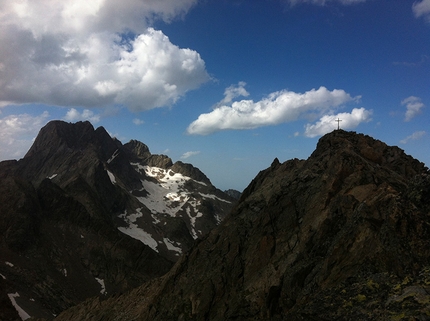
{"points": [[114, 155], [22, 314], [193, 218], [64, 271], [135, 232], [218, 218], [201, 183], [156, 219], [171, 247], [8, 263], [214, 197], [102, 284], [111, 177], [163, 198], [53, 176], [3, 277]]}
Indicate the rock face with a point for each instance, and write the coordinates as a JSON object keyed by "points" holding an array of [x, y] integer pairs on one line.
{"points": [[343, 235], [82, 215]]}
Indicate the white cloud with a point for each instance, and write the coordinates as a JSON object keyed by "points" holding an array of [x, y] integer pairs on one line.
{"points": [[73, 115], [278, 107], [413, 107], [414, 136], [138, 121], [422, 8], [233, 92], [189, 154], [17, 133], [76, 53], [323, 2], [328, 123], [86, 17]]}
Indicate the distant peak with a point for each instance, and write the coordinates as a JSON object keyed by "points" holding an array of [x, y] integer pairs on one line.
{"points": [[138, 148]]}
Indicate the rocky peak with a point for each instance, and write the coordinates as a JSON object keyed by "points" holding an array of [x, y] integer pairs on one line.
{"points": [[340, 142], [57, 134], [233, 193], [138, 148]]}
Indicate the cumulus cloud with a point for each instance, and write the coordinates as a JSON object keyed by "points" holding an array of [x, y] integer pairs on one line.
{"points": [[94, 53], [413, 107], [17, 133], [189, 154], [74, 115], [323, 2], [414, 136], [278, 107], [422, 9], [328, 123]]}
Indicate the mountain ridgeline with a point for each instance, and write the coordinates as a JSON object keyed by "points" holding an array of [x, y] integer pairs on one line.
{"points": [[83, 215], [343, 235]]}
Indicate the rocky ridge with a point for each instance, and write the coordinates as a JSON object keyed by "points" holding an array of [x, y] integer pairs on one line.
{"points": [[83, 215], [343, 235]]}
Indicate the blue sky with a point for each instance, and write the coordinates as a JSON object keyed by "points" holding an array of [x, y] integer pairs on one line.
{"points": [[224, 85]]}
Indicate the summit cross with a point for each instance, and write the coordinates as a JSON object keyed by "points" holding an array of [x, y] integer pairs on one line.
{"points": [[338, 122]]}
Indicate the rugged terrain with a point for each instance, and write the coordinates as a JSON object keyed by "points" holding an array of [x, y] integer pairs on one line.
{"points": [[83, 215], [343, 235]]}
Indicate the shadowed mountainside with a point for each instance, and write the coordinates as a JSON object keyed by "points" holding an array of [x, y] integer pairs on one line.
{"points": [[83, 215], [343, 235]]}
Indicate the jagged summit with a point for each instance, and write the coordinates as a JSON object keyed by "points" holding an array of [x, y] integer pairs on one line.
{"points": [[343, 235], [370, 149], [61, 135], [138, 149]]}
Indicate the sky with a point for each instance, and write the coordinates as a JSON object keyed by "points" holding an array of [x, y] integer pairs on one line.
{"points": [[226, 85]]}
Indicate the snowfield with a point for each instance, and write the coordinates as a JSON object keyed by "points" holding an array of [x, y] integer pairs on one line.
{"points": [[136, 232], [165, 195]]}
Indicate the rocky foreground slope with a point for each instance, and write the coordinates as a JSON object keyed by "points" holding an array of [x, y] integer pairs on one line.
{"points": [[83, 215], [343, 235]]}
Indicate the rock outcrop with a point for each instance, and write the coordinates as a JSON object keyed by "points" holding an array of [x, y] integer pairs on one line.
{"points": [[343, 235], [82, 215]]}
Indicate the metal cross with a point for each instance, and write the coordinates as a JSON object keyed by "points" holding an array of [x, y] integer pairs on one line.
{"points": [[338, 121]]}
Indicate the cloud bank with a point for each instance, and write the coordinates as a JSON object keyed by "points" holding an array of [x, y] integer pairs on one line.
{"points": [[94, 53], [278, 107], [413, 107]]}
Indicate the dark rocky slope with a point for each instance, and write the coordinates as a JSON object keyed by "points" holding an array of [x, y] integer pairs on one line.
{"points": [[343, 235], [66, 211]]}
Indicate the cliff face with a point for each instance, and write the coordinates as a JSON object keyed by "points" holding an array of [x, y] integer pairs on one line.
{"points": [[342, 235], [82, 215]]}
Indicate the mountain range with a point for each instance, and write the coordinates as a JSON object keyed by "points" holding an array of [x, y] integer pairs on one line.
{"points": [[342, 235], [84, 215]]}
